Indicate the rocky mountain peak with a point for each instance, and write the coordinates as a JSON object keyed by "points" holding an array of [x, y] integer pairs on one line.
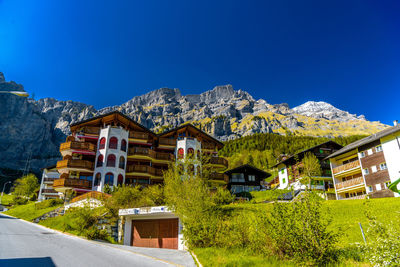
{"points": [[325, 110], [2, 78], [9, 86]]}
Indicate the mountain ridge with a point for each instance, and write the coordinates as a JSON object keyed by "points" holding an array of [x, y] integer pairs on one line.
{"points": [[223, 112]]}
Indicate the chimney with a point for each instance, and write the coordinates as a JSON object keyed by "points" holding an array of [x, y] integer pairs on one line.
{"points": [[395, 122]]}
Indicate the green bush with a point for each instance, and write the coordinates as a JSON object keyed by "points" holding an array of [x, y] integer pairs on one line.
{"points": [[222, 196], [300, 230], [18, 200], [244, 195], [48, 203], [95, 233]]}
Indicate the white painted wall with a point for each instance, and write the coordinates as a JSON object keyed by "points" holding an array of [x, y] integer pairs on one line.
{"points": [[108, 132], [391, 150], [283, 175]]}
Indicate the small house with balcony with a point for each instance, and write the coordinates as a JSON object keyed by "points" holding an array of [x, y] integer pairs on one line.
{"points": [[46, 190], [291, 170], [368, 166], [245, 178]]}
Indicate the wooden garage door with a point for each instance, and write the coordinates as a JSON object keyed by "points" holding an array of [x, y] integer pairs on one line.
{"points": [[155, 233]]}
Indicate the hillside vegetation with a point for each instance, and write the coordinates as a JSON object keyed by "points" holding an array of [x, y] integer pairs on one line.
{"points": [[263, 149]]}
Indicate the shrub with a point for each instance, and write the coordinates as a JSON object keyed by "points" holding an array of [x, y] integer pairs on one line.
{"points": [[95, 233], [300, 230], [222, 196], [18, 200], [244, 195], [48, 203]]}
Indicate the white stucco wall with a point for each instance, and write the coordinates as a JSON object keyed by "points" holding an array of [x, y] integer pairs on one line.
{"points": [[391, 150]]}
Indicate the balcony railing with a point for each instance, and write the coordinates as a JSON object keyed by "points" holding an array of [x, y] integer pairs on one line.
{"points": [[78, 145], [75, 163], [207, 146], [346, 167], [90, 130], [348, 183], [144, 169], [139, 135], [167, 141], [141, 151], [219, 161], [71, 182], [48, 180], [49, 191], [91, 194], [357, 197]]}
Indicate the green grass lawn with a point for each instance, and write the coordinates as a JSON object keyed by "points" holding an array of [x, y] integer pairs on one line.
{"points": [[29, 211], [6, 200], [63, 223], [345, 214]]}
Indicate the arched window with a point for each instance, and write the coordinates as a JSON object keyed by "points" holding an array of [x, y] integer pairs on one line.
{"points": [[111, 160], [180, 153], [113, 143], [120, 179], [121, 162], [123, 145], [109, 179], [102, 143], [97, 179], [100, 159], [190, 151]]}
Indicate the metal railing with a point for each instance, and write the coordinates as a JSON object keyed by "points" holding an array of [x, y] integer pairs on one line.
{"points": [[346, 167]]}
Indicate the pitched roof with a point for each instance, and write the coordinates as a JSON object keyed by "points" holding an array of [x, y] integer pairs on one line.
{"points": [[266, 174], [366, 140], [111, 113], [194, 127], [306, 150]]}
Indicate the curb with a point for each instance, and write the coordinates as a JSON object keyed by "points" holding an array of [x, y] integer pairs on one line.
{"points": [[195, 259], [91, 241]]}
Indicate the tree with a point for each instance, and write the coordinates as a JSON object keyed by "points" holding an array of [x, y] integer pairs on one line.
{"points": [[311, 167], [26, 186]]}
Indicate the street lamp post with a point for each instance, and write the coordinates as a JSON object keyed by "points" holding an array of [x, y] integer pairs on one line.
{"points": [[4, 186]]}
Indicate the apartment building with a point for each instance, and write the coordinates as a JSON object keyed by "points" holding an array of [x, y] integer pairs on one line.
{"points": [[366, 167], [112, 149], [46, 190], [291, 170]]}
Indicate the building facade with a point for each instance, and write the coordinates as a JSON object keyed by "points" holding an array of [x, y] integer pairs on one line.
{"points": [[112, 149], [46, 190], [291, 170], [245, 178], [367, 167]]}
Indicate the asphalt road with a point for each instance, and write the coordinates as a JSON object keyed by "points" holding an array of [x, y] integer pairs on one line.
{"points": [[26, 244]]}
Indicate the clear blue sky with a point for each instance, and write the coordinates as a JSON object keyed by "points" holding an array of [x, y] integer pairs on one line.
{"points": [[103, 53]]}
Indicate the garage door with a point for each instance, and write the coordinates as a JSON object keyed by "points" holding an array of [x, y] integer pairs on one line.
{"points": [[155, 233]]}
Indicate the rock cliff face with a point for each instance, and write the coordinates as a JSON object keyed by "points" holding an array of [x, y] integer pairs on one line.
{"points": [[33, 130]]}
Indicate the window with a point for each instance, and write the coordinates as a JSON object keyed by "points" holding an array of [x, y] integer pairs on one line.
{"points": [[113, 143], [370, 189], [102, 143], [97, 179], [374, 169], [99, 161], [362, 154], [109, 179], [121, 162], [386, 184], [181, 153], [190, 151], [283, 171], [120, 179], [378, 148], [370, 151], [383, 166], [378, 187], [283, 181], [111, 160], [237, 177], [123, 145], [366, 171], [252, 178]]}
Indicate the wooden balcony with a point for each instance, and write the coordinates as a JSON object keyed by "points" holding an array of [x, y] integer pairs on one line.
{"points": [[149, 153], [207, 146], [77, 145], [91, 130], [167, 142], [219, 176], [49, 191], [350, 183], [139, 136], [71, 183], [48, 180], [75, 164], [346, 167], [218, 161], [144, 169]]}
